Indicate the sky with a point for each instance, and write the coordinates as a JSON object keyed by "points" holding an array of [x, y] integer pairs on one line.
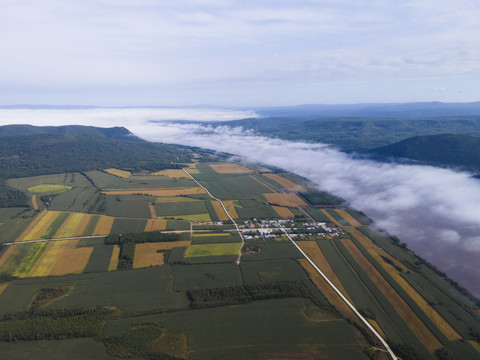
{"points": [[238, 53], [433, 210]]}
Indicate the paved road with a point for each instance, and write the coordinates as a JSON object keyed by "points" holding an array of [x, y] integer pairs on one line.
{"points": [[226, 211], [349, 304]]}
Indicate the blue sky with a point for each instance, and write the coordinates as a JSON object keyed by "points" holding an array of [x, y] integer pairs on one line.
{"points": [[239, 53]]}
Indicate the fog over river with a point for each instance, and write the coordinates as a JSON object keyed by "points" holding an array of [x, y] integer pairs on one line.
{"points": [[435, 211]]}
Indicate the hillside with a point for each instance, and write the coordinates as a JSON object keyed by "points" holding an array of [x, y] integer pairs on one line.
{"points": [[69, 149], [440, 150]]}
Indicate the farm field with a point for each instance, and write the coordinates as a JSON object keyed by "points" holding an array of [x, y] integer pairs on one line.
{"points": [[186, 294]]}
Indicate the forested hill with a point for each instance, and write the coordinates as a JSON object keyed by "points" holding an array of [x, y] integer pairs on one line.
{"points": [[119, 133], [440, 150], [38, 154]]}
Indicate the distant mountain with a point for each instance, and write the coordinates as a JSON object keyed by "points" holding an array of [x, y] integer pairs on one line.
{"points": [[118, 133], [441, 150], [394, 110]]}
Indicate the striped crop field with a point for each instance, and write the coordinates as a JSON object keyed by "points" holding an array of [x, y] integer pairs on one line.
{"points": [[229, 204], [31, 226], [287, 184], [42, 227], [331, 218], [117, 172], [114, 258], [351, 220], [172, 174], [71, 226], [31, 259], [213, 249], [156, 192], [282, 199], [153, 213], [315, 254], [431, 313], [211, 234], [156, 224], [230, 169], [283, 212], [326, 289], [222, 215], [34, 202], [61, 258], [104, 225], [261, 182], [402, 308]]}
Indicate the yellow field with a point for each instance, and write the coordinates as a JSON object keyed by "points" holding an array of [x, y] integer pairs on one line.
{"points": [[34, 202], [156, 224], [331, 218], [289, 200], [70, 226], [230, 169], [170, 199], [231, 208], [61, 258], [7, 254], [402, 308], [261, 182], [351, 220], [283, 212], [191, 167], [153, 213], [262, 170], [436, 318], [120, 173], [210, 234], [42, 226], [104, 225], [172, 174], [3, 287], [31, 226], [147, 254], [156, 192], [475, 344], [222, 216], [290, 185], [114, 259], [49, 188], [377, 327], [315, 254]]}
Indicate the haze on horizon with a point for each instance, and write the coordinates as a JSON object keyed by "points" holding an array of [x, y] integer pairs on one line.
{"points": [[238, 53]]}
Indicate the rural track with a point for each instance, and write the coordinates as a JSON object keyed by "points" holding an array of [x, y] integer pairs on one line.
{"points": [[349, 304], [226, 212]]}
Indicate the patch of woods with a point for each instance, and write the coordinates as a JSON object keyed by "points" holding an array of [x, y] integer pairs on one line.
{"points": [[41, 154], [127, 243], [48, 295], [136, 343], [235, 295], [53, 324], [10, 197]]}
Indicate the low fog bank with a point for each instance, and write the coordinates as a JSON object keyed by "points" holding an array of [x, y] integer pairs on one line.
{"points": [[435, 211]]}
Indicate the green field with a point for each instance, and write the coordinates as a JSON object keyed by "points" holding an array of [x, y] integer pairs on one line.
{"points": [[174, 209], [213, 249], [49, 188], [133, 206]]}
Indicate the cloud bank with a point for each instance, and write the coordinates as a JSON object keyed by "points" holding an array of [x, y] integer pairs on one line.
{"points": [[435, 211]]}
